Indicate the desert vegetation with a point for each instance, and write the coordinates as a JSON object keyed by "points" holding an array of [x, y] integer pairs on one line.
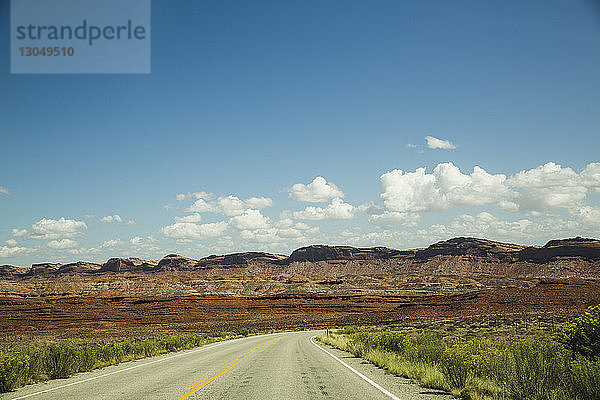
{"points": [[548, 365], [22, 364]]}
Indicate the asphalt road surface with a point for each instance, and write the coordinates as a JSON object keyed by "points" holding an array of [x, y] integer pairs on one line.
{"points": [[277, 366]]}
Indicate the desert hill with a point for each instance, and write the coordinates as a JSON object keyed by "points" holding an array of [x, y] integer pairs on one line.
{"points": [[335, 285], [462, 256]]}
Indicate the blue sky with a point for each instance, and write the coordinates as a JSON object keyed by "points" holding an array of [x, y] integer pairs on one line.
{"points": [[248, 99]]}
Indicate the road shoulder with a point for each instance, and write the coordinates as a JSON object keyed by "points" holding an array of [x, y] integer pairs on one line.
{"points": [[402, 388]]}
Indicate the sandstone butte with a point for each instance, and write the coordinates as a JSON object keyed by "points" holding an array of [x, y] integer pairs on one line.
{"points": [[461, 256]]}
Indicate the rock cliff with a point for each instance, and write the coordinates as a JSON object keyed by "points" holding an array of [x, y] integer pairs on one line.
{"points": [[465, 256]]}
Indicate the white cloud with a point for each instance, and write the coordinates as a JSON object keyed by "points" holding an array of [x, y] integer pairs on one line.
{"points": [[198, 195], [588, 215], [111, 218], [302, 226], [410, 145], [443, 189], [319, 190], [279, 233], [117, 218], [591, 176], [200, 206], [111, 243], [251, 219], [193, 218], [259, 202], [548, 187], [11, 242], [204, 195], [56, 229], [336, 210], [19, 232], [142, 241], [6, 252], [435, 143], [62, 244], [390, 218], [256, 228], [188, 231], [229, 205], [4, 190], [487, 225]]}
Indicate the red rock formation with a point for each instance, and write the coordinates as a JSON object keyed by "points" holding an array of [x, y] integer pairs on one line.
{"points": [[462, 256]]}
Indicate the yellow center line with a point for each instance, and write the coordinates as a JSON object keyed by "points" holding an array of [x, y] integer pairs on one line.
{"points": [[200, 384], [194, 384]]}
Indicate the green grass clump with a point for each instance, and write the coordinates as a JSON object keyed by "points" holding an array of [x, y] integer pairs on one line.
{"points": [[583, 337], [21, 365], [13, 371], [544, 368]]}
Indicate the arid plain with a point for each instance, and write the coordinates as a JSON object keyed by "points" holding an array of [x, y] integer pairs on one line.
{"points": [[460, 279]]}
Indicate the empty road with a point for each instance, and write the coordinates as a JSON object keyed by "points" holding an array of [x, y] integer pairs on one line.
{"points": [[277, 366]]}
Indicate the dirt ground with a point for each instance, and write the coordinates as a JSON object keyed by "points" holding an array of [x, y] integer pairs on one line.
{"points": [[100, 315]]}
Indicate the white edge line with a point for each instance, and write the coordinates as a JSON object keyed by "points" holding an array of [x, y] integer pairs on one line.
{"points": [[142, 365], [377, 386]]}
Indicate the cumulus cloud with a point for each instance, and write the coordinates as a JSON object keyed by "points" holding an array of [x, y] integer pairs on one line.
{"points": [[302, 226], [587, 214], [56, 229], [435, 143], [383, 218], [390, 218], [229, 205], [19, 232], [62, 244], [201, 206], [280, 232], [337, 209], [111, 218], [259, 202], [117, 218], [251, 219], [11, 242], [189, 231], [548, 187], [446, 187], [4, 190], [319, 190], [137, 240], [591, 176], [487, 224], [111, 243], [257, 228], [6, 252], [193, 218], [197, 195]]}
